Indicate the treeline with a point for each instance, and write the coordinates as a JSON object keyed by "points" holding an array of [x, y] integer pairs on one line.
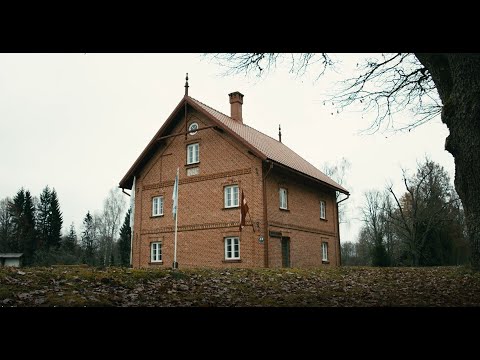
{"points": [[33, 226], [424, 225]]}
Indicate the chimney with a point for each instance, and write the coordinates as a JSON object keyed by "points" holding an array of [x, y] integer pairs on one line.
{"points": [[236, 101]]}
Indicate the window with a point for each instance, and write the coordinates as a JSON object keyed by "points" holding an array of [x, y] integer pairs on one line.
{"points": [[324, 251], [283, 198], [322, 209], [157, 206], [156, 252], [232, 248], [193, 128], [231, 196], [192, 153]]}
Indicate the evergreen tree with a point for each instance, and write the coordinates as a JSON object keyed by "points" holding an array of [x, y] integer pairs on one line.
{"points": [[16, 212], [88, 239], [29, 233], [125, 239], [56, 221], [22, 213], [43, 218], [70, 241]]}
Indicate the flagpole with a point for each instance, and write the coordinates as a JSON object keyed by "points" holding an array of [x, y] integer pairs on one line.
{"points": [[175, 264]]}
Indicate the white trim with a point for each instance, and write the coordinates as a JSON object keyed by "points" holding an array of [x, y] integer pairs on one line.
{"points": [[323, 210], [283, 198], [157, 210], [324, 251], [156, 251], [232, 240], [193, 153], [229, 196]]}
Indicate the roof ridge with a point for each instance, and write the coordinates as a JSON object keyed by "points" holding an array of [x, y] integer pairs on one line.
{"points": [[239, 123], [209, 107]]}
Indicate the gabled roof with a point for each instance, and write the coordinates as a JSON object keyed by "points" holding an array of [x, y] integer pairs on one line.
{"points": [[10, 255], [260, 144]]}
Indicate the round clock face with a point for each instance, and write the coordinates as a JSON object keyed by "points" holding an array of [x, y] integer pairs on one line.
{"points": [[193, 128]]}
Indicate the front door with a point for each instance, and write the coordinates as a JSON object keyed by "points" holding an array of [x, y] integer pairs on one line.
{"points": [[285, 252]]}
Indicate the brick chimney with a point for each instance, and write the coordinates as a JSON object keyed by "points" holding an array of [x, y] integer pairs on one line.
{"points": [[236, 101]]}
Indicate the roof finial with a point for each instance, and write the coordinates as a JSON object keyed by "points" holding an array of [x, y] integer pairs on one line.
{"points": [[279, 133], [186, 85]]}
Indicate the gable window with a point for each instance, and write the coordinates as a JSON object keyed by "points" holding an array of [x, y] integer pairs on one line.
{"points": [[322, 210], [193, 128], [156, 252], [232, 248], [324, 251], [283, 198], [157, 206], [192, 154], [231, 196]]}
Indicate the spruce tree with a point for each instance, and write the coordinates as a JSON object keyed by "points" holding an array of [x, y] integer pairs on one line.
{"points": [[43, 218], [29, 233], [88, 240], [16, 212], [124, 242], [56, 221], [70, 242]]}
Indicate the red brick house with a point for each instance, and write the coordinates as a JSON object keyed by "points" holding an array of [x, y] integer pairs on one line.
{"points": [[293, 214]]}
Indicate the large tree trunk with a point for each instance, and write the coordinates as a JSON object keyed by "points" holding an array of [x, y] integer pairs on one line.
{"points": [[457, 78]]}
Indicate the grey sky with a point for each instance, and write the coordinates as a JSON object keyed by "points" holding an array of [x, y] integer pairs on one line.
{"points": [[77, 122]]}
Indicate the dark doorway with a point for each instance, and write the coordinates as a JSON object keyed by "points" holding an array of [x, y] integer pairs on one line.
{"points": [[285, 252]]}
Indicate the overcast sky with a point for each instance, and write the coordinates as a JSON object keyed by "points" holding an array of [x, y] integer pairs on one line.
{"points": [[77, 122]]}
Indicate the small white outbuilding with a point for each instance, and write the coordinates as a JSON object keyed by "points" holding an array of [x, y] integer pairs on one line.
{"points": [[11, 259]]}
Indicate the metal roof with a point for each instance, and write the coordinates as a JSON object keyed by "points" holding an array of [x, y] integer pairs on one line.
{"points": [[262, 145]]}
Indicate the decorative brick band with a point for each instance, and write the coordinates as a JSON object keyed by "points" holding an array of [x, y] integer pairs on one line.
{"points": [[197, 178], [168, 229], [301, 228]]}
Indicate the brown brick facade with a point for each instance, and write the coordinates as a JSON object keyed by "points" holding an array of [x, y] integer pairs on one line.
{"points": [[204, 222]]}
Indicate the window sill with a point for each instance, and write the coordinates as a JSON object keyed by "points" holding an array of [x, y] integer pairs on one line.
{"points": [[192, 164], [323, 219], [155, 263], [232, 261], [325, 262], [231, 208], [286, 210], [156, 216]]}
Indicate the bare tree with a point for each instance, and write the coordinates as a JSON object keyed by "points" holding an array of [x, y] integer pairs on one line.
{"points": [[428, 84], [113, 209], [6, 226], [338, 171], [375, 226], [422, 208]]}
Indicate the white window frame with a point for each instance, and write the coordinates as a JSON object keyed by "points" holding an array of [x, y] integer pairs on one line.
{"points": [[283, 198], [158, 207], [232, 240], [323, 210], [156, 252], [193, 153], [229, 196], [324, 251]]}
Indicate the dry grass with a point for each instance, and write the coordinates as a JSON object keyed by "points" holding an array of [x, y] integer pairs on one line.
{"points": [[74, 286]]}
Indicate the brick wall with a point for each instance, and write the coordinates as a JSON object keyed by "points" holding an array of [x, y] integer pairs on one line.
{"points": [[301, 222], [203, 223]]}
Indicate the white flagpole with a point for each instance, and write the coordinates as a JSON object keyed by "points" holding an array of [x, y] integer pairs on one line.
{"points": [[177, 180]]}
